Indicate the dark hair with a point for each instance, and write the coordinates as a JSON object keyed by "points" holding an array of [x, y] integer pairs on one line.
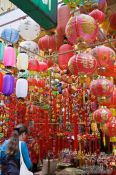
{"points": [[13, 144]]}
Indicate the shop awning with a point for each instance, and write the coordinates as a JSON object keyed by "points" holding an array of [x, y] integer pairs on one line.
{"points": [[44, 12]]}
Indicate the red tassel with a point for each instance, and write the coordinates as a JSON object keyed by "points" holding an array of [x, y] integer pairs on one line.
{"points": [[75, 133]]}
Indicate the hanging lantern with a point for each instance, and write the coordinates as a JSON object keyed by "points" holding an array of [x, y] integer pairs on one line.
{"points": [[30, 47], [50, 43], [87, 27], [1, 81], [102, 5], [71, 30], [110, 128], [10, 35], [33, 65], [9, 56], [22, 61], [112, 21], [1, 51], [102, 115], [62, 19], [49, 62], [106, 56], [98, 15], [82, 63], [29, 29], [64, 58], [41, 83], [101, 87], [42, 66], [8, 84], [21, 88]]}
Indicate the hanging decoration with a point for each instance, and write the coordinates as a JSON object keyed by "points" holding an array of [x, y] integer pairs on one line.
{"points": [[1, 50], [8, 84], [98, 15], [21, 88], [28, 29], [10, 35], [22, 61]]}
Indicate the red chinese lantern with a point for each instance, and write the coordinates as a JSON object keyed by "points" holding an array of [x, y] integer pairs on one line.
{"points": [[98, 15], [102, 4], [82, 63], [42, 66], [62, 19], [110, 128], [50, 43], [41, 83], [102, 115], [49, 62], [64, 58], [1, 81], [33, 65], [106, 56], [32, 82], [112, 21], [101, 87], [108, 72]]}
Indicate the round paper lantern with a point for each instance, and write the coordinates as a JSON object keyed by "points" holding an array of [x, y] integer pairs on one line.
{"points": [[31, 46], [32, 82], [1, 81], [9, 56], [63, 16], [49, 62], [64, 58], [41, 83], [22, 61], [112, 21], [106, 56], [42, 66], [29, 29], [10, 35], [21, 88], [101, 87], [33, 65], [98, 15], [102, 4], [1, 51], [71, 30], [82, 63], [50, 43], [8, 84], [110, 128], [87, 27], [102, 115]]}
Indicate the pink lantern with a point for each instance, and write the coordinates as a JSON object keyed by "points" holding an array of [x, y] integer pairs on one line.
{"points": [[71, 30], [106, 56], [110, 128], [62, 19], [42, 66], [64, 58], [50, 43], [98, 15], [87, 27], [33, 65], [102, 115], [102, 4], [101, 87], [9, 56], [82, 63]]}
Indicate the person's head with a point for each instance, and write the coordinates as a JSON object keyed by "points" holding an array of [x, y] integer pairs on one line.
{"points": [[19, 133]]}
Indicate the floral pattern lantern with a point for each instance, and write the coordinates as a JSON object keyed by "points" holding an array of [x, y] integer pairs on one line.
{"points": [[1, 51], [9, 57], [8, 84], [102, 115], [22, 61], [29, 29], [50, 43], [110, 128], [98, 15], [82, 63], [31, 46], [21, 88], [101, 87], [105, 55], [10, 34], [64, 58], [87, 27]]}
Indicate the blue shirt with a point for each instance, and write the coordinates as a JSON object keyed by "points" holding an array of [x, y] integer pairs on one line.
{"points": [[24, 150]]}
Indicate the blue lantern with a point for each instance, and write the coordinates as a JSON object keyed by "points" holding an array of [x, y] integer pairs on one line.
{"points": [[1, 50], [10, 35], [8, 84]]}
